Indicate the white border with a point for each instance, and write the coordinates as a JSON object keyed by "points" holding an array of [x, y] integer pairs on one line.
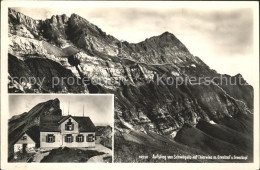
{"points": [[143, 4]]}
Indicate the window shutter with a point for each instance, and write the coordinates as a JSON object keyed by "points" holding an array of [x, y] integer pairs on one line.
{"points": [[66, 140], [66, 127], [47, 139], [77, 138], [72, 128], [83, 138], [53, 138]]}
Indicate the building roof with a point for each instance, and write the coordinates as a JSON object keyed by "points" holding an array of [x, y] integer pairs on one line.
{"points": [[64, 118], [32, 132], [51, 123]]}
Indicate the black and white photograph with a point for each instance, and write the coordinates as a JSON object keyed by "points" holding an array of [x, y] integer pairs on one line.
{"points": [[132, 82], [60, 128]]}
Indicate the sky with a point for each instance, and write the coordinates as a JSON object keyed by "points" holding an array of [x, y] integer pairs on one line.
{"points": [[221, 37], [98, 107]]}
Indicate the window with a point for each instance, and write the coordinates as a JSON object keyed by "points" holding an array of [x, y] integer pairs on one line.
{"points": [[80, 138], [90, 138], [50, 138], [24, 137], [69, 125], [69, 138]]}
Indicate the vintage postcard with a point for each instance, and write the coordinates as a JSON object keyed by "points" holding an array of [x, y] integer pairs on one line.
{"points": [[130, 82]]}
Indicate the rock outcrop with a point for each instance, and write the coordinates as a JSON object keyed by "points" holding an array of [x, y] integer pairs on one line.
{"points": [[19, 124]]}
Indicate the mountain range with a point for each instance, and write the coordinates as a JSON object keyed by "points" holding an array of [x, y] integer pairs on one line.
{"points": [[152, 108]]}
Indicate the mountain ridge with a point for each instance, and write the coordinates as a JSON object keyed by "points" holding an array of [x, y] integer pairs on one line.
{"points": [[58, 26]]}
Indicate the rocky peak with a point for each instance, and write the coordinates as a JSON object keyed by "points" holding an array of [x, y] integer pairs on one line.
{"points": [[165, 48], [21, 24], [238, 75], [166, 40], [55, 103], [76, 16], [167, 36], [87, 27], [20, 18], [59, 19]]}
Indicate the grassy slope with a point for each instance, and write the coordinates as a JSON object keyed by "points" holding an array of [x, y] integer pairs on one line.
{"points": [[243, 141], [137, 144], [206, 139]]}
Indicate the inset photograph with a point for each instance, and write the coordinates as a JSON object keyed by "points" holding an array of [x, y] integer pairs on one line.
{"points": [[60, 128]]}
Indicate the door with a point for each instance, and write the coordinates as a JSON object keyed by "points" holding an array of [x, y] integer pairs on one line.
{"points": [[24, 148]]}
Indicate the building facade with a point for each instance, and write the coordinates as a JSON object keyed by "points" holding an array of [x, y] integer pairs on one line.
{"points": [[25, 144], [69, 131]]}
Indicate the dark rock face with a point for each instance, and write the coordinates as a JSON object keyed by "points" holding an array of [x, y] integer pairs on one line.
{"points": [[42, 70], [144, 77]]}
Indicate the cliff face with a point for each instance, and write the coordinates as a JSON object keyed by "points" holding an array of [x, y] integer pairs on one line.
{"points": [[144, 77]]}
